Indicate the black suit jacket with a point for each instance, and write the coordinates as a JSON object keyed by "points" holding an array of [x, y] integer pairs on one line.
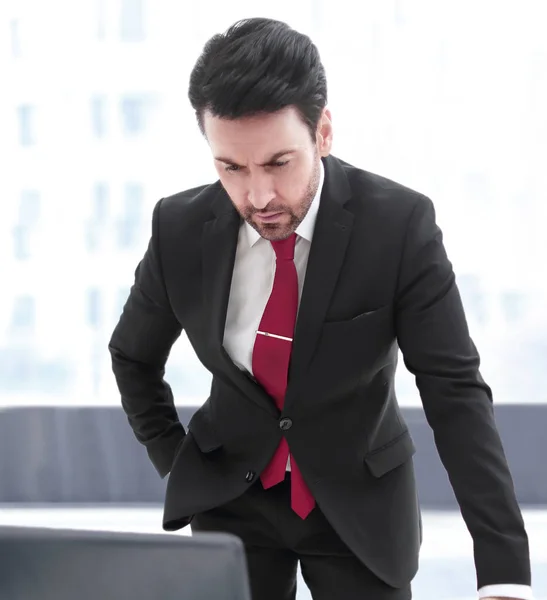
{"points": [[378, 279]]}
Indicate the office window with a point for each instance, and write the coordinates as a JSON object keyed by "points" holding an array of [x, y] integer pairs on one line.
{"points": [[401, 11], [132, 21], [478, 190], [29, 207], [473, 297], [21, 242], [133, 200], [100, 19], [512, 304], [93, 236], [93, 227], [100, 202], [98, 116], [26, 118], [28, 216], [133, 109], [129, 225], [94, 312], [15, 38], [23, 316]]}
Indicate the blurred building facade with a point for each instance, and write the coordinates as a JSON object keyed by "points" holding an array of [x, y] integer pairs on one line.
{"points": [[96, 127]]}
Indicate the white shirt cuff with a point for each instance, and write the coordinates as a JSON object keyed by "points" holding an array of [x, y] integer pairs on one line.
{"points": [[507, 590]]}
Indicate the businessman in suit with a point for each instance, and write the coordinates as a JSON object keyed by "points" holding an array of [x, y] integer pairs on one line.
{"points": [[297, 277]]}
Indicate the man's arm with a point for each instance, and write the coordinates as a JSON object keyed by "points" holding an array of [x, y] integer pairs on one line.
{"points": [[140, 346], [437, 349]]}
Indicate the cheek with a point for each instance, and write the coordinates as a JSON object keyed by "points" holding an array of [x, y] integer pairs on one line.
{"points": [[235, 185], [293, 184]]}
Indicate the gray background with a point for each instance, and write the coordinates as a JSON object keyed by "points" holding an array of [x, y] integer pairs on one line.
{"points": [[89, 455]]}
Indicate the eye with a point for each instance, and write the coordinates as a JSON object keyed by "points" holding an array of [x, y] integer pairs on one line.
{"points": [[236, 168]]}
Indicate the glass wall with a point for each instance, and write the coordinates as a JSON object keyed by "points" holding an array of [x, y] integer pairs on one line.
{"points": [[445, 97]]}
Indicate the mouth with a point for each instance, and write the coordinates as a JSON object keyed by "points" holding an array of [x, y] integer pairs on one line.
{"points": [[268, 217]]}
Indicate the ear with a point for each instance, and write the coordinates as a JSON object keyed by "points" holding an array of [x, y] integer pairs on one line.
{"points": [[324, 133]]}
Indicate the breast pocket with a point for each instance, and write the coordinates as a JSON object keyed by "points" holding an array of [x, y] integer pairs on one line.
{"points": [[365, 317], [369, 329], [357, 344]]}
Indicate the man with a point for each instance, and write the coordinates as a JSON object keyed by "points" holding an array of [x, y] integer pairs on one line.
{"points": [[296, 278]]}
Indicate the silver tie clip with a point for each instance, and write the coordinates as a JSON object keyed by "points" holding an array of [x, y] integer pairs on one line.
{"points": [[279, 337]]}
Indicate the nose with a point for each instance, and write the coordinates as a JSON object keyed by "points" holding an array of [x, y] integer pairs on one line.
{"points": [[261, 192]]}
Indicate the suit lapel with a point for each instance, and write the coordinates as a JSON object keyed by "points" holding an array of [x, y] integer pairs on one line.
{"points": [[220, 236], [330, 239]]}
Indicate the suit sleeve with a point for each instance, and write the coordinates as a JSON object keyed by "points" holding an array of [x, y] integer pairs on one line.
{"points": [[139, 347], [434, 339]]}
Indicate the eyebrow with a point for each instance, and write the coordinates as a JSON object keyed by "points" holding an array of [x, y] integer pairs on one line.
{"points": [[273, 159]]}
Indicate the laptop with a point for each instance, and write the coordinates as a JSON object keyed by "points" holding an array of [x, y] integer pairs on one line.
{"points": [[65, 564]]}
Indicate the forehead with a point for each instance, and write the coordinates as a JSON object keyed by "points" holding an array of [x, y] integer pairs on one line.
{"points": [[256, 137]]}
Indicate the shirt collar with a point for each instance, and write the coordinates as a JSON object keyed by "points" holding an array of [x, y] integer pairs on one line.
{"points": [[306, 228]]}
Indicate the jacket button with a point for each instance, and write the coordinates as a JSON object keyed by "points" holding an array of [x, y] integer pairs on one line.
{"points": [[250, 476], [285, 424]]}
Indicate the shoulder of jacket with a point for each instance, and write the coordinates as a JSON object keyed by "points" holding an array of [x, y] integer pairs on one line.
{"points": [[197, 198]]}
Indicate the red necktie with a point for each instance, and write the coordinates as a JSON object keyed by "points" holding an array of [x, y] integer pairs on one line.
{"points": [[271, 356]]}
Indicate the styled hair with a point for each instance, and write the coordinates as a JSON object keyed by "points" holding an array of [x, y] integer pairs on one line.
{"points": [[259, 66]]}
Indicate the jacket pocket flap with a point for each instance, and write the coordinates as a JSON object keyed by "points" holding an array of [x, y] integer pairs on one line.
{"points": [[204, 433], [391, 455]]}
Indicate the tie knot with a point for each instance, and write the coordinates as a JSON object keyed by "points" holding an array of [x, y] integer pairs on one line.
{"points": [[284, 249]]}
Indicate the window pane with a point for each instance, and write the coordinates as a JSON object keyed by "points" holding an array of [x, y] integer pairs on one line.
{"points": [[133, 115], [29, 207], [26, 117], [15, 39], [94, 308], [23, 316], [98, 116], [21, 242], [100, 19], [132, 21], [133, 201], [101, 200]]}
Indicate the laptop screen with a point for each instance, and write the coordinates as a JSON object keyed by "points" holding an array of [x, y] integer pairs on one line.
{"points": [[53, 564]]}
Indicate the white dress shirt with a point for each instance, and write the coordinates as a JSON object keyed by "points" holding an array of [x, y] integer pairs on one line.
{"points": [[252, 282]]}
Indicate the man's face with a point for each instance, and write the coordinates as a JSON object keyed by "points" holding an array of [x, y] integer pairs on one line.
{"points": [[269, 166]]}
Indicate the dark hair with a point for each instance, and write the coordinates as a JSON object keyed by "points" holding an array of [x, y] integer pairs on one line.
{"points": [[259, 66]]}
